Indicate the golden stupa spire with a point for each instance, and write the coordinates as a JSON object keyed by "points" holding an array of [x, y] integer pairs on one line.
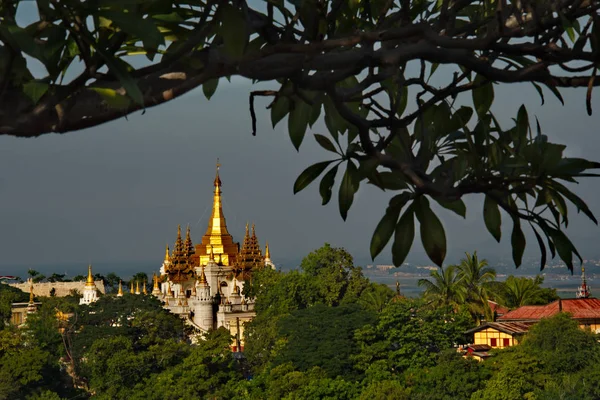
{"points": [[90, 278], [267, 251], [137, 287], [212, 254], [253, 230], [216, 225], [144, 290], [120, 293], [131, 289], [202, 279], [30, 291], [167, 254], [155, 279]]}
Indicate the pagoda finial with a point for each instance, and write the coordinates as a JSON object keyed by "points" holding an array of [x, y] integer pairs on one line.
{"points": [[120, 292], [144, 290], [90, 278], [131, 289], [137, 287], [267, 251], [30, 291], [217, 182], [253, 230], [167, 254], [155, 279], [179, 231], [247, 232], [583, 291], [203, 277]]}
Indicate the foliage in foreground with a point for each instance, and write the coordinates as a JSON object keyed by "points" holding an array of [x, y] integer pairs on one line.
{"points": [[364, 67]]}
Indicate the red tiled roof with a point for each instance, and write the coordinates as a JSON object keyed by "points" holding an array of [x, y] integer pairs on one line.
{"points": [[578, 308], [500, 310]]}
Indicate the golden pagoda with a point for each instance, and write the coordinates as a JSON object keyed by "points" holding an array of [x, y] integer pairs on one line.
{"points": [[180, 265], [90, 278], [250, 256], [217, 238], [144, 290], [120, 293]]}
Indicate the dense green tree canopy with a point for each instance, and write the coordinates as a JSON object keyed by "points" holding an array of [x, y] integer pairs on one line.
{"points": [[364, 67]]}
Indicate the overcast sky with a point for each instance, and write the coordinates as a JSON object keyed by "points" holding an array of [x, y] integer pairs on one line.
{"points": [[116, 192]]}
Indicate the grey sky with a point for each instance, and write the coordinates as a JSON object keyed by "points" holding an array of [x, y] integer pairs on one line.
{"points": [[115, 193]]}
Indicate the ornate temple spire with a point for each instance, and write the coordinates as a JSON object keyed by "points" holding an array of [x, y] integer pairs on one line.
{"points": [[217, 225], [167, 254], [203, 279], [131, 288], [583, 291], [31, 308], [90, 278], [188, 245], [144, 290], [137, 287], [267, 252], [120, 292]]}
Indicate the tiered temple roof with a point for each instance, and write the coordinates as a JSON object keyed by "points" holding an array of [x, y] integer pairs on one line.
{"points": [[180, 267]]}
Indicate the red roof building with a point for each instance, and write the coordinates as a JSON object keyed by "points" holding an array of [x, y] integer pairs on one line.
{"points": [[585, 310]]}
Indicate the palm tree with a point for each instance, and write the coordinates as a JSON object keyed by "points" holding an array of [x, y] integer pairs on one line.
{"points": [[445, 289], [522, 291], [477, 278]]}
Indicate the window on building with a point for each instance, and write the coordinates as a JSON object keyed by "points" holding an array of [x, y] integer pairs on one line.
{"points": [[505, 342], [493, 342]]}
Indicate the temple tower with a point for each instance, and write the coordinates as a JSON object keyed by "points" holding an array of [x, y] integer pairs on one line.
{"points": [[90, 293]]}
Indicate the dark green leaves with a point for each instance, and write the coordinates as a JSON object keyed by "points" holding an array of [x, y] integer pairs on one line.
{"points": [[280, 108], [325, 143], [209, 88], [387, 225], [137, 26], [458, 206], [298, 122], [491, 217], [309, 174], [403, 237], [35, 90], [326, 184], [483, 96], [233, 31], [348, 188], [433, 235], [517, 240]]}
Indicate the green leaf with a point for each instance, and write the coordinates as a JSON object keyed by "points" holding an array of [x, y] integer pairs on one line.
{"points": [[542, 248], [539, 90], [483, 96], [556, 92], [326, 184], [391, 181], [387, 225], [233, 31], [433, 236], [576, 200], [35, 90], [492, 218], [325, 143], [309, 174], [564, 247], [460, 118], [403, 237], [517, 240], [112, 98], [210, 87], [347, 189], [297, 122], [458, 206], [280, 108], [134, 24], [522, 123], [118, 68]]}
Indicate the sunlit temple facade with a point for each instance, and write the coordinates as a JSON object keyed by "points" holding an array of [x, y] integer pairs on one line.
{"points": [[204, 283]]}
